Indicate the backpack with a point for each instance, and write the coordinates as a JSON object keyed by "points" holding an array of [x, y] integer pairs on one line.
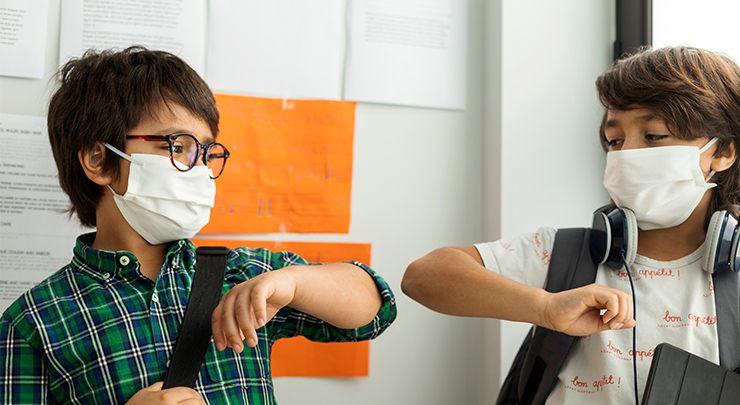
{"points": [[534, 372]]}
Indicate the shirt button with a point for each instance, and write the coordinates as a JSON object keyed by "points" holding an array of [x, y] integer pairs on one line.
{"points": [[106, 276], [124, 260], [155, 298]]}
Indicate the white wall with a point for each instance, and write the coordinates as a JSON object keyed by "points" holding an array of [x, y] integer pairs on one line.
{"points": [[416, 187], [543, 154], [427, 178]]}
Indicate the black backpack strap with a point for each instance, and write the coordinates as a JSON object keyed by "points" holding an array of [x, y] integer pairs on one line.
{"points": [[534, 371], [727, 300], [571, 260], [195, 331]]}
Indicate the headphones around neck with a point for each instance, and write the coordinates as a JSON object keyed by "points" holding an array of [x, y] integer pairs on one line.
{"points": [[614, 230]]}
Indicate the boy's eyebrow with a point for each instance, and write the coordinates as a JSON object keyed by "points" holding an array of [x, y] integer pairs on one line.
{"points": [[645, 118], [648, 117], [171, 130], [177, 130]]}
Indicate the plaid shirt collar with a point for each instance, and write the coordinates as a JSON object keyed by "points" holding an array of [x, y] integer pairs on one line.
{"points": [[105, 264]]}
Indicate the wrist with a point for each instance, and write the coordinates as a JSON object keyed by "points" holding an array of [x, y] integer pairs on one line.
{"points": [[540, 302], [292, 279]]}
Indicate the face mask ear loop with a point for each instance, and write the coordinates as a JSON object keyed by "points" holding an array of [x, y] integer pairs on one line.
{"points": [[705, 147], [708, 145], [634, 329], [709, 176], [131, 159]]}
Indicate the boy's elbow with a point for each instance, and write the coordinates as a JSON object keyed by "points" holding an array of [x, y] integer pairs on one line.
{"points": [[427, 276], [412, 282]]}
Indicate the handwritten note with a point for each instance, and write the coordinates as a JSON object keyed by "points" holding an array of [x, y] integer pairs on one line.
{"points": [[290, 168]]}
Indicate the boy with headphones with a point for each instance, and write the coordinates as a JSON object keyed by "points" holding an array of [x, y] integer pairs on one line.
{"points": [[133, 134], [670, 129]]}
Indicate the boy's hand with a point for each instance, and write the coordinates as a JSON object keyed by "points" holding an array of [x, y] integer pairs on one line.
{"points": [[248, 306], [577, 312], [154, 394]]}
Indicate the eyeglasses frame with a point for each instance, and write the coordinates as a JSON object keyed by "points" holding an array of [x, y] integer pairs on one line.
{"points": [[201, 154]]}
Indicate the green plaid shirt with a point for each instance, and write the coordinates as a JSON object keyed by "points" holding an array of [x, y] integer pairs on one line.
{"points": [[97, 331]]}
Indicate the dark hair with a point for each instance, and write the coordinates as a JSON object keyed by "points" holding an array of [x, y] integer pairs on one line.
{"points": [[696, 92], [104, 95]]}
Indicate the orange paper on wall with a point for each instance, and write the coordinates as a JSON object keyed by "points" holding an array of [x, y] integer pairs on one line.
{"points": [[298, 357], [290, 168]]}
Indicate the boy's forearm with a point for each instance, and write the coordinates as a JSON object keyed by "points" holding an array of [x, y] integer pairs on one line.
{"points": [[453, 282], [341, 294]]}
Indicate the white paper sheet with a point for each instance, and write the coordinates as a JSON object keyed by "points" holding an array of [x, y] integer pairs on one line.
{"points": [[287, 49], [35, 238], [176, 26], [409, 52], [710, 24], [23, 37]]}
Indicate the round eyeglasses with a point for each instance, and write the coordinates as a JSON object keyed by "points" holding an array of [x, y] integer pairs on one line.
{"points": [[185, 150]]}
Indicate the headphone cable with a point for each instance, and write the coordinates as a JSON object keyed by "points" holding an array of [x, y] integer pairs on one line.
{"points": [[634, 329]]}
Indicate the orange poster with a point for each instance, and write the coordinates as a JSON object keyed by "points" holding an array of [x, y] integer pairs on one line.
{"points": [[290, 168], [298, 357]]}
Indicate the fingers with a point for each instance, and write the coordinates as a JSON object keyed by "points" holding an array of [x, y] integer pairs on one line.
{"points": [[618, 305], [217, 327], [237, 317], [626, 320], [253, 314], [229, 322], [259, 306], [589, 309], [248, 307], [245, 323], [157, 386], [154, 394], [181, 395]]}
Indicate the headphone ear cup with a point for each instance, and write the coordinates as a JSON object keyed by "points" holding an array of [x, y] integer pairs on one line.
{"points": [[734, 258], [613, 230], [712, 241], [600, 238], [720, 245], [630, 242]]}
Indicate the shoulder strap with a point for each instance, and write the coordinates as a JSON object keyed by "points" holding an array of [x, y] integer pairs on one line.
{"points": [[727, 300], [535, 369], [195, 330], [570, 267]]}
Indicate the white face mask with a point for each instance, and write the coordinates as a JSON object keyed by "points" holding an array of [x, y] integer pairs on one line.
{"points": [[662, 185], [161, 203]]}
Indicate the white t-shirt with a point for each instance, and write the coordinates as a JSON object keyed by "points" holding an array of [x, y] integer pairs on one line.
{"points": [[675, 304]]}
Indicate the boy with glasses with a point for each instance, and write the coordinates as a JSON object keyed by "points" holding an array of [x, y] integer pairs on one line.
{"points": [[133, 135]]}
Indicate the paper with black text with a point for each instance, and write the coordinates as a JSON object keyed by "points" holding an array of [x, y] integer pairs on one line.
{"points": [[176, 26], [289, 49], [36, 239], [23, 37], [408, 52]]}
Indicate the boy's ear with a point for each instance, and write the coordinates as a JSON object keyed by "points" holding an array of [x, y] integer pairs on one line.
{"points": [[92, 162], [724, 161]]}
